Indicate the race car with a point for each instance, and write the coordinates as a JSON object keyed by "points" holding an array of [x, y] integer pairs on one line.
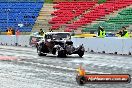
{"points": [[58, 43]]}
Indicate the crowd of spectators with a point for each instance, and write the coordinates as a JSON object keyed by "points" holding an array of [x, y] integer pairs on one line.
{"points": [[11, 31]]}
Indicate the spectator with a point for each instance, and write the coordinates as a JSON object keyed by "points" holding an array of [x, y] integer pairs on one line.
{"points": [[13, 31], [72, 33], [125, 32], [17, 32], [41, 32], [9, 31], [120, 33], [50, 30], [101, 32]]}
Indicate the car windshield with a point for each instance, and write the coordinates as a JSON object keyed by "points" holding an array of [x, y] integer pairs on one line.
{"points": [[36, 38], [61, 36]]}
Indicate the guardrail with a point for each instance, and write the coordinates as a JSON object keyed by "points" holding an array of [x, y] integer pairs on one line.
{"points": [[106, 45], [102, 45], [21, 40]]}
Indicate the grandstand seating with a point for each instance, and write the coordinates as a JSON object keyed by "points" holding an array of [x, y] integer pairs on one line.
{"points": [[67, 12], [99, 11], [124, 18], [16, 12]]}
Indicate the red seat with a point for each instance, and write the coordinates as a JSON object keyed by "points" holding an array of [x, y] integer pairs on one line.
{"points": [[100, 11], [69, 10], [73, 8]]}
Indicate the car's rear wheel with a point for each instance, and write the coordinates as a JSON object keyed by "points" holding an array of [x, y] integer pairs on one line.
{"points": [[44, 54], [40, 52], [61, 53]]}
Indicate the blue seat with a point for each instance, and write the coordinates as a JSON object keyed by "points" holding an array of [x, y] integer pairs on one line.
{"points": [[16, 12]]}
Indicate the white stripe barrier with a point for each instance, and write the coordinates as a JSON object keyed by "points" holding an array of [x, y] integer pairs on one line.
{"points": [[108, 44], [21, 40]]}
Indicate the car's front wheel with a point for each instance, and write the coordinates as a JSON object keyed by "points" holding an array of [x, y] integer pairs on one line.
{"points": [[40, 52], [81, 53], [61, 53]]}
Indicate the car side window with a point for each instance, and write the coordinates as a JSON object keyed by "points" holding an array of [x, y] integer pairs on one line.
{"points": [[47, 37]]}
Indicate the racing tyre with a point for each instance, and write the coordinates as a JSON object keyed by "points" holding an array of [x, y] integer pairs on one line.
{"points": [[81, 53], [44, 54], [40, 53], [61, 53]]}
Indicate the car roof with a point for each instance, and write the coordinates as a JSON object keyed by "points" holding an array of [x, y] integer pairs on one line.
{"points": [[56, 32]]}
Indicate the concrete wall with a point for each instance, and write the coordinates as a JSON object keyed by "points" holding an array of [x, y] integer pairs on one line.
{"points": [[109, 44], [22, 40]]}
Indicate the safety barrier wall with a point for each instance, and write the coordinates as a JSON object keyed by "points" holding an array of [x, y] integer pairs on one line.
{"points": [[108, 45], [21, 40]]}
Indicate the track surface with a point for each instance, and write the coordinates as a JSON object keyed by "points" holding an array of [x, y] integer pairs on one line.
{"points": [[28, 70]]}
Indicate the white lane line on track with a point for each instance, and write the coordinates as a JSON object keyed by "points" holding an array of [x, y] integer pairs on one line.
{"points": [[60, 67]]}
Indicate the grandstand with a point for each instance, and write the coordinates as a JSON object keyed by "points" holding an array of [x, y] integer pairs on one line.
{"points": [[65, 15], [78, 15], [123, 18], [19, 14]]}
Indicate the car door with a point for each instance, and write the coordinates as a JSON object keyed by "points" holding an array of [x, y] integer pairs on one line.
{"points": [[49, 42]]}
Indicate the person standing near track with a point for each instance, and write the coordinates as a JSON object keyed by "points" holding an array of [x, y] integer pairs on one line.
{"points": [[17, 32], [41, 32], [125, 32], [101, 32], [120, 33], [9, 31], [50, 30]]}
